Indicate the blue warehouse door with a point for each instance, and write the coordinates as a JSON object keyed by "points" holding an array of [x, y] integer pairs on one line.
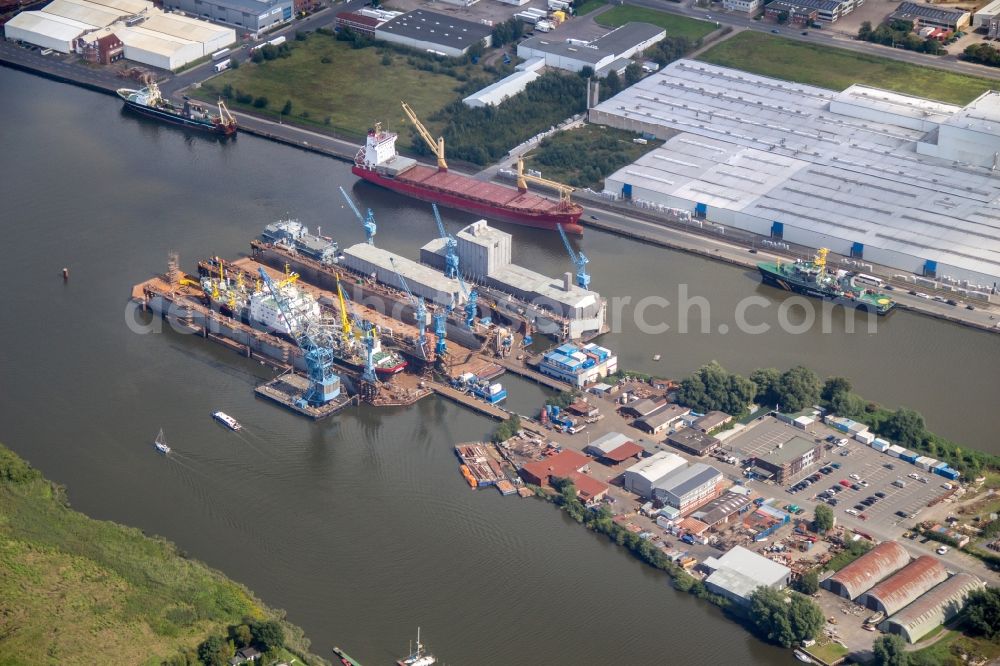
{"points": [[700, 209], [286, 13], [627, 190], [777, 230], [858, 251], [930, 268]]}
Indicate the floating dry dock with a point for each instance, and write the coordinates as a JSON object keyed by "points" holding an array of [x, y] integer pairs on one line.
{"points": [[288, 390]]}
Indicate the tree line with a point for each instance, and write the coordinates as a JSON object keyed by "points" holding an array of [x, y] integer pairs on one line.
{"points": [[984, 54], [897, 33], [711, 387], [483, 135]]}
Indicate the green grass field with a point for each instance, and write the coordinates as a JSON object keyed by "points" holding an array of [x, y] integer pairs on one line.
{"points": [[947, 650], [589, 6], [676, 26], [837, 69], [74, 590], [828, 652], [353, 89]]}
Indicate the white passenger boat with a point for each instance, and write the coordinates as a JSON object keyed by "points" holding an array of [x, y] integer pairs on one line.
{"points": [[227, 420]]}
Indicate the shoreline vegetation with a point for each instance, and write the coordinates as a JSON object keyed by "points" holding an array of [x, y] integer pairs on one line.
{"points": [[76, 590], [769, 617]]}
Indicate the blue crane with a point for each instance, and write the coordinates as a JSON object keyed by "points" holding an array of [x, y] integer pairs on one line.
{"points": [[368, 339], [324, 383], [451, 246], [368, 221], [470, 302], [440, 330], [581, 261], [420, 310]]}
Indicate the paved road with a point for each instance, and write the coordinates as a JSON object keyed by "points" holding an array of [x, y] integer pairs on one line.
{"points": [[825, 37]]}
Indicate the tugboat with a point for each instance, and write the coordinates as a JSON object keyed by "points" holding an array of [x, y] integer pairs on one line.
{"points": [[227, 420], [418, 657], [811, 278], [160, 444], [149, 102]]}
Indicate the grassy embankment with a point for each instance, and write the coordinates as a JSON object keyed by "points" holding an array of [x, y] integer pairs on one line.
{"points": [[334, 86], [585, 156], [589, 6], [675, 25], [947, 650], [74, 590], [836, 69]]}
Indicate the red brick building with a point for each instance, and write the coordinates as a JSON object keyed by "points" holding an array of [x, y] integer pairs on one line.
{"points": [[566, 464], [363, 25], [102, 47]]}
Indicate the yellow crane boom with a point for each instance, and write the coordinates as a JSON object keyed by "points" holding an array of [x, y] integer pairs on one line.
{"points": [[523, 178], [437, 147], [345, 324]]}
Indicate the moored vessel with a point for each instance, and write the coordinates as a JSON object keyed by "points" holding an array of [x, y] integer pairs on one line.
{"points": [[812, 278], [378, 163], [227, 420], [418, 656], [149, 102]]}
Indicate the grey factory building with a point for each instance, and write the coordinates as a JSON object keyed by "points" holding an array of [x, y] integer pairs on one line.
{"points": [[254, 15], [485, 258]]}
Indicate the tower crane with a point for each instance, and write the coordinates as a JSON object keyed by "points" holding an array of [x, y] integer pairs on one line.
{"points": [[450, 246], [324, 383], [523, 179], [368, 221], [470, 302], [451, 269], [440, 330], [369, 340], [437, 147], [581, 261], [346, 333], [420, 310]]}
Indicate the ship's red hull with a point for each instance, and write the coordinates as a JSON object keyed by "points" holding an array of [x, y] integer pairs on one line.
{"points": [[568, 217]]}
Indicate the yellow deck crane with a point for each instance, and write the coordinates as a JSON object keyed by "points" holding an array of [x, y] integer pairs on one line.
{"points": [[345, 323], [523, 178], [437, 147]]}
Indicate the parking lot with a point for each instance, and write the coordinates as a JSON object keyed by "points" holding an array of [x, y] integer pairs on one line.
{"points": [[862, 473]]}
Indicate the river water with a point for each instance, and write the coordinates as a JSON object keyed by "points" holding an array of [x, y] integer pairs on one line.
{"points": [[361, 527]]}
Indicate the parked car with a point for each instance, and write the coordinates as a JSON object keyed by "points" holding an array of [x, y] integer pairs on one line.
{"points": [[942, 550], [859, 507], [889, 466], [853, 512], [902, 514], [856, 477], [855, 487], [835, 465], [880, 495]]}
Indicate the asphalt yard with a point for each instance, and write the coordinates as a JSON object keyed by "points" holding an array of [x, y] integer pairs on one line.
{"points": [[860, 466]]}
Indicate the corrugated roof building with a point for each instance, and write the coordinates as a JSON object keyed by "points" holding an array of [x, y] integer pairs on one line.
{"points": [[739, 572], [688, 488], [933, 609], [863, 573], [639, 478], [903, 587], [423, 281]]}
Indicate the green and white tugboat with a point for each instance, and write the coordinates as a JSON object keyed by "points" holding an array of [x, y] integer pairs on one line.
{"points": [[811, 278]]}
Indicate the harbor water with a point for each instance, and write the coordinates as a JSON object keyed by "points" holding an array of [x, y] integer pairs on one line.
{"points": [[360, 527]]}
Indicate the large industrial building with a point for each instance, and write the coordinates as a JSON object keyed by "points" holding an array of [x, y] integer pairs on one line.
{"points": [[736, 574], [906, 585], [687, 488], [437, 33], [574, 55], [558, 304], [133, 28], [933, 609], [578, 366], [868, 570], [423, 281], [787, 459], [640, 477], [253, 15], [496, 93], [877, 176]]}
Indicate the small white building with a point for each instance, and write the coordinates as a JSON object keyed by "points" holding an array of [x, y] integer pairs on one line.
{"points": [[739, 572], [749, 7], [496, 93]]}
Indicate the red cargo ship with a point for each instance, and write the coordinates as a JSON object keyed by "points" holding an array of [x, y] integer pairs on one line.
{"points": [[379, 163]]}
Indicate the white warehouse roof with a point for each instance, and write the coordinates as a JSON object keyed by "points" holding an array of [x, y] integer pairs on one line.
{"points": [[45, 30], [657, 465], [85, 12], [506, 87], [863, 165], [739, 572]]}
